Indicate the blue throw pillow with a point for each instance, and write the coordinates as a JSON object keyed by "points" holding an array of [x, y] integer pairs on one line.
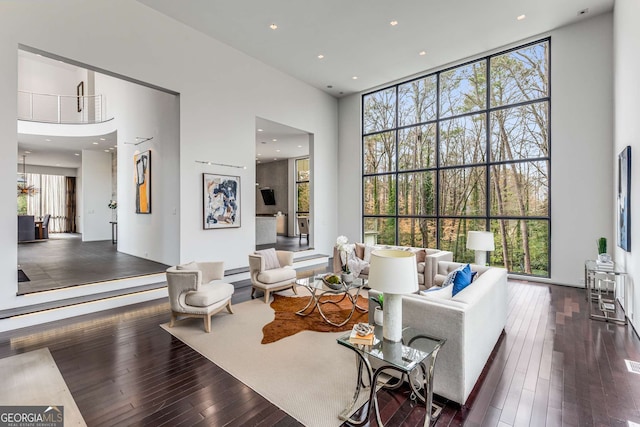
{"points": [[462, 279]]}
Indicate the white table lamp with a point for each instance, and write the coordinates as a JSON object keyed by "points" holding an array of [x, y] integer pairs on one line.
{"points": [[393, 273], [481, 242]]}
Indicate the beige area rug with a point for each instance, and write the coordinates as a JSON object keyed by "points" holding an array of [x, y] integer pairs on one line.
{"points": [[33, 379], [308, 375]]}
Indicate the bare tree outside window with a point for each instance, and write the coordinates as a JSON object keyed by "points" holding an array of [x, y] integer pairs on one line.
{"points": [[466, 148]]}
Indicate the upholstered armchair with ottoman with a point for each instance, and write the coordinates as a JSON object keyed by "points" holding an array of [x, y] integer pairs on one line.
{"points": [[196, 290], [271, 271]]}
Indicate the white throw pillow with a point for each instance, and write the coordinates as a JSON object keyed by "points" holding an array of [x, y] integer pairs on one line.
{"points": [[271, 260], [188, 266], [439, 293]]}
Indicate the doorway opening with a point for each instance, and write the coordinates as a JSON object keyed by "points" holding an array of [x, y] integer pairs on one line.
{"points": [[284, 187]]}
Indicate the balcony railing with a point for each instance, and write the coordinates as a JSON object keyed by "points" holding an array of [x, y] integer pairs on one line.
{"points": [[68, 109]]}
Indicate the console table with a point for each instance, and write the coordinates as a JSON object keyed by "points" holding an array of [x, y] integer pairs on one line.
{"points": [[606, 298], [414, 358]]}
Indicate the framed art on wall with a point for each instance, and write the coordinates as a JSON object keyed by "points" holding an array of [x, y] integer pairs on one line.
{"points": [[624, 202], [80, 95], [142, 166], [221, 201]]}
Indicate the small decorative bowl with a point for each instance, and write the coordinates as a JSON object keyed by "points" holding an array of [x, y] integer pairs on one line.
{"points": [[330, 285]]}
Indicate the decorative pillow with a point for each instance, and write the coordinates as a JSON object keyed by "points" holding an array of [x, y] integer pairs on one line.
{"points": [[451, 276], [359, 250], [367, 252], [188, 266], [438, 292], [462, 279], [270, 258], [421, 255]]}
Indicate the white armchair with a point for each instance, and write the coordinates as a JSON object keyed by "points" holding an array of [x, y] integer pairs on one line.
{"points": [[196, 290], [272, 279]]}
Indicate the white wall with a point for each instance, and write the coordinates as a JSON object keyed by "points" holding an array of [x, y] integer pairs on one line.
{"points": [[581, 147], [222, 91], [627, 132], [51, 78], [144, 112], [96, 193], [350, 168]]}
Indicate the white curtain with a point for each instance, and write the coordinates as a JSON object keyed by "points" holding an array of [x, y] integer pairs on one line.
{"points": [[50, 199]]}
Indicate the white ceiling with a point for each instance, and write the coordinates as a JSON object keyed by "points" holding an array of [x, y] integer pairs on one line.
{"points": [[356, 38], [289, 142], [61, 151]]}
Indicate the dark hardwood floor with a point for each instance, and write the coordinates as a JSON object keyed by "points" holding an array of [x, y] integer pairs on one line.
{"points": [[65, 260], [553, 367]]}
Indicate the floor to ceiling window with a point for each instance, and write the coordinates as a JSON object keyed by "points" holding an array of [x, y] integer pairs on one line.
{"points": [[302, 187], [463, 149], [40, 194]]}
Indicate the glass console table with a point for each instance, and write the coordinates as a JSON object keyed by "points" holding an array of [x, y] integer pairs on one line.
{"points": [[414, 358], [601, 285]]}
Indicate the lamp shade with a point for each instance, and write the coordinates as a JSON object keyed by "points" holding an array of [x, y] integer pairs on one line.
{"points": [[393, 271], [480, 241]]}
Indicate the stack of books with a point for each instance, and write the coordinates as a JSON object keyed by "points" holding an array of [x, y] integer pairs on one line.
{"points": [[608, 265], [357, 338]]}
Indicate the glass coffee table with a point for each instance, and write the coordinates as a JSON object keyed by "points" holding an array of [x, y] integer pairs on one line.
{"points": [[316, 286], [414, 358]]}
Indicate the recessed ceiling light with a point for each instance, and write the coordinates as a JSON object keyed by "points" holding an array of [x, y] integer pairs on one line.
{"points": [[102, 139], [273, 26], [422, 53], [274, 140], [57, 164], [27, 152], [107, 151], [76, 154], [393, 23], [110, 148], [258, 161], [48, 140], [275, 158], [299, 146], [259, 130], [95, 143], [320, 56], [277, 151], [355, 77], [521, 17], [259, 154]]}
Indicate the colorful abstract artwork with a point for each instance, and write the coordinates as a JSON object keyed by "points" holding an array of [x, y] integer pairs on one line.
{"points": [[221, 200], [142, 167]]}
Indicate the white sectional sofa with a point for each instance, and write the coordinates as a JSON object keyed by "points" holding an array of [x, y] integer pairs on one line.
{"points": [[427, 260], [471, 322]]}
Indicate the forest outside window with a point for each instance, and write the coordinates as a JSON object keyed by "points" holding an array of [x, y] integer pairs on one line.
{"points": [[466, 148]]}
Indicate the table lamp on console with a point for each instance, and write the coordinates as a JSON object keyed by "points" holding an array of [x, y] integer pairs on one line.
{"points": [[394, 273]]}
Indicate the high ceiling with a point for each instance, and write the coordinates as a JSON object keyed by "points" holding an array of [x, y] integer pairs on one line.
{"points": [[361, 48]]}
